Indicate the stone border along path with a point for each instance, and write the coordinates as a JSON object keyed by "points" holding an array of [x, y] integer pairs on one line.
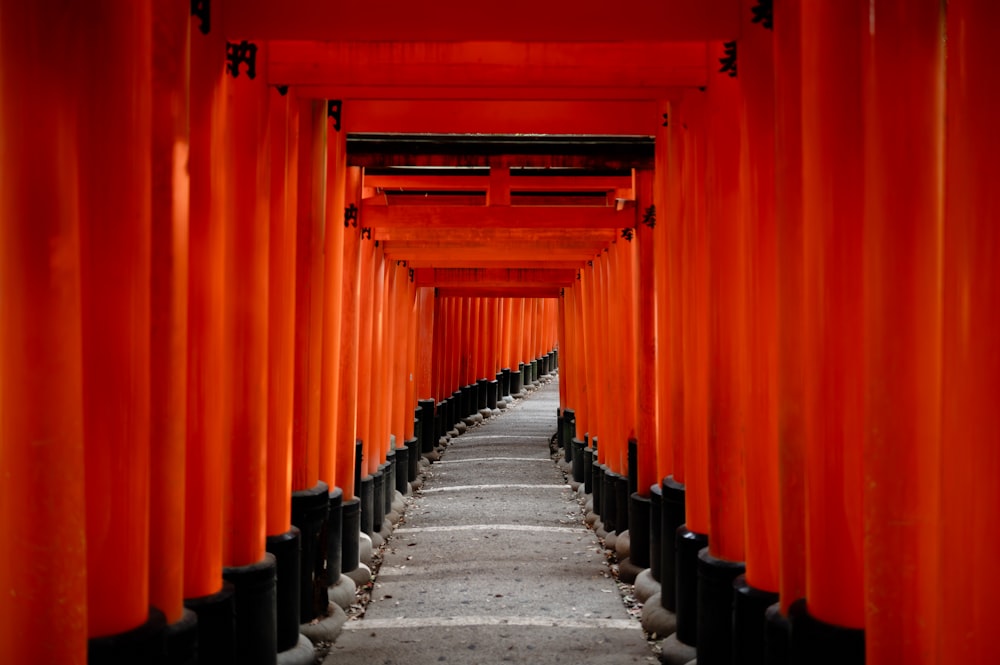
{"points": [[492, 563]]}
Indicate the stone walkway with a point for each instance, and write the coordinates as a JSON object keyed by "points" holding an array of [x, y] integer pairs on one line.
{"points": [[492, 562]]}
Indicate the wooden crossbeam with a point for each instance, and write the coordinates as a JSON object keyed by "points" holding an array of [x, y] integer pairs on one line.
{"points": [[481, 183], [436, 70], [510, 291], [509, 217], [493, 277], [476, 255], [493, 93], [475, 234], [453, 21]]}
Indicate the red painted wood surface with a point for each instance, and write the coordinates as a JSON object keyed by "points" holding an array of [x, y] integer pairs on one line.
{"points": [[789, 228], [833, 190], [970, 364]]}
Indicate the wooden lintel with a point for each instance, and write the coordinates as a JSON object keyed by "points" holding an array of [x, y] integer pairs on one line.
{"points": [[475, 256], [478, 64], [476, 234], [497, 93], [493, 277], [512, 291], [551, 264], [566, 183], [482, 217]]}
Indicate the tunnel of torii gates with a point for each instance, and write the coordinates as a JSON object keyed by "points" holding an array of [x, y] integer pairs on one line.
{"points": [[256, 257]]}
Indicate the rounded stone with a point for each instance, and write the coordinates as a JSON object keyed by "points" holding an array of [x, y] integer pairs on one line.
{"points": [[365, 548], [302, 653], [327, 628], [623, 545], [361, 575], [675, 652], [342, 593], [645, 586]]}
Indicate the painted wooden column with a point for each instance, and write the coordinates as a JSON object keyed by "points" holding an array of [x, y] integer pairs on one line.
{"points": [[283, 539], [309, 492], [365, 396], [694, 292], [904, 121], [348, 424], [246, 183], [114, 194], [207, 387], [833, 195], [169, 313], [970, 495], [758, 588], [41, 383], [790, 276]]}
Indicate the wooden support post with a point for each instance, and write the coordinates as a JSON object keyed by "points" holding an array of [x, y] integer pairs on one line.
{"points": [[169, 306], [833, 192], [903, 60], [790, 277], [970, 495], [310, 223], [646, 343], [365, 350], [348, 422], [42, 496], [662, 216]]}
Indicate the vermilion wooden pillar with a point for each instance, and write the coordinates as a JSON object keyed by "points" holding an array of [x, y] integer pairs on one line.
{"points": [[41, 396], [247, 255], [333, 296], [169, 305], [428, 355], [114, 190], [207, 395], [970, 495], [379, 425], [904, 149], [310, 221], [666, 186], [646, 340], [833, 194], [790, 276], [348, 423]]}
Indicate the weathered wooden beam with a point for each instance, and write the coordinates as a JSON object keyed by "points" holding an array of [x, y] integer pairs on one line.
{"points": [[475, 255], [511, 291], [493, 277], [509, 217], [532, 183], [493, 93], [479, 234], [497, 262], [454, 21], [456, 66]]}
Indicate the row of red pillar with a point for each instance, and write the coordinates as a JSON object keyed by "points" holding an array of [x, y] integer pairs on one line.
{"points": [[811, 300], [194, 327]]}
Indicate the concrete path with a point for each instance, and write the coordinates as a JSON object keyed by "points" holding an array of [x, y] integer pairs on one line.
{"points": [[492, 563]]}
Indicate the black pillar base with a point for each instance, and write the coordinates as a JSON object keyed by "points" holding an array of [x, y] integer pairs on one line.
{"points": [[597, 485], [777, 633], [715, 608], [588, 470], [505, 381], [388, 482], [350, 535], [622, 503], [256, 611], [367, 504], [483, 393], [403, 467], [815, 642], [334, 535], [638, 530], [287, 550], [358, 459], [609, 499], [378, 498], [427, 433], [413, 462], [568, 435], [309, 511], [143, 644], [688, 544], [181, 640], [216, 625], [492, 394], [515, 382], [633, 466], [578, 457], [671, 519], [656, 534], [534, 371], [749, 621]]}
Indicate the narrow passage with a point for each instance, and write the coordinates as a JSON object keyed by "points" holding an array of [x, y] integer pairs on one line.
{"points": [[493, 564]]}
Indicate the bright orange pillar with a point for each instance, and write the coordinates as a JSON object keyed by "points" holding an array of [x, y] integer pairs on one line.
{"points": [[756, 79], [348, 422], [694, 291], [969, 535], [727, 353], [115, 244], [333, 277], [833, 192], [428, 355], [247, 259], [904, 149], [379, 394], [661, 216], [207, 389], [42, 578], [790, 276], [281, 317], [646, 340], [310, 222], [169, 306], [365, 349]]}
